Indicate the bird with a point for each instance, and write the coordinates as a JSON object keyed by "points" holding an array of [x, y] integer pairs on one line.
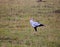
{"points": [[35, 24]]}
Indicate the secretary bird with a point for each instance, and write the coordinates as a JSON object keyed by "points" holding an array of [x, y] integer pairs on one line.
{"points": [[35, 24]]}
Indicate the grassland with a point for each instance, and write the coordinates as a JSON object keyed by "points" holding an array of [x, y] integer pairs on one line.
{"points": [[15, 29]]}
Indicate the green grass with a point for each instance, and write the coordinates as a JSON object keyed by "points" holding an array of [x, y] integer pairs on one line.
{"points": [[15, 29]]}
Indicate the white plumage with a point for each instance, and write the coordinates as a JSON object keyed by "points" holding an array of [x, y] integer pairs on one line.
{"points": [[33, 23]]}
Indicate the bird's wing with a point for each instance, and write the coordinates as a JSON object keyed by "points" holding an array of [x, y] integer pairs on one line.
{"points": [[36, 23]]}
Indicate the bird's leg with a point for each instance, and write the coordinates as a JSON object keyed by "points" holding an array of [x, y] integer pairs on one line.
{"points": [[35, 28]]}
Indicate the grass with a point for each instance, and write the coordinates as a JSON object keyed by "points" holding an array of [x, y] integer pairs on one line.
{"points": [[15, 29]]}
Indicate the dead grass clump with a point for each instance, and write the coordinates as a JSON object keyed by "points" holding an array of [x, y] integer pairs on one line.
{"points": [[57, 11]]}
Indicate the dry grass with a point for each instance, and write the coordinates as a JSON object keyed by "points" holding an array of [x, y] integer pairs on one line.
{"points": [[15, 29]]}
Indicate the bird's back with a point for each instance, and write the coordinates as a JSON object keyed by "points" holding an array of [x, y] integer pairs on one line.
{"points": [[33, 23]]}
